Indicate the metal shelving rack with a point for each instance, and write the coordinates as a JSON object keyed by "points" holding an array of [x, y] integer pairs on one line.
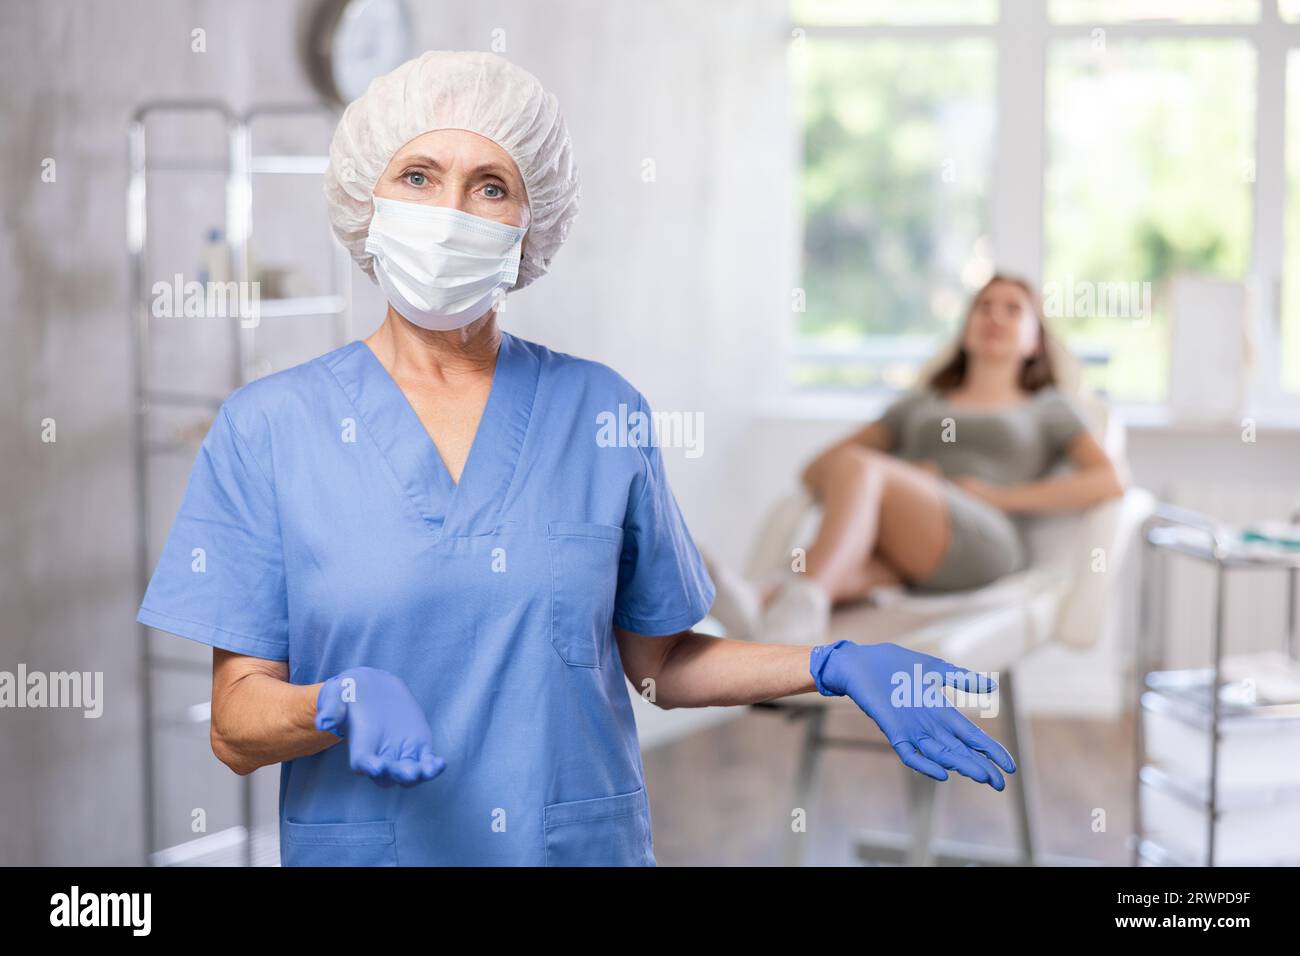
{"points": [[237, 168], [1194, 698]]}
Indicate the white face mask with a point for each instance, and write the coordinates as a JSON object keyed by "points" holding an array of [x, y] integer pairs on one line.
{"points": [[441, 268]]}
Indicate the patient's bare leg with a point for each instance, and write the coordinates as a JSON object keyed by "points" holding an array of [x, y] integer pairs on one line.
{"points": [[876, 573], [879, 515]]}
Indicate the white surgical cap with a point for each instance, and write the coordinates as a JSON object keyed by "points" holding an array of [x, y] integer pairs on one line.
{"points": [[479, 92]]}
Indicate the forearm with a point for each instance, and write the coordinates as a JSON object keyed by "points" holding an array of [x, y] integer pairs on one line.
{"points": [[262, 720], [703, 671], [1068, 492]]}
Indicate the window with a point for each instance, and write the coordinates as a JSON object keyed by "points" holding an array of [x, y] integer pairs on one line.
{"points": [[1147, 176], [897, 138], [1146, 138], [1289, 331], [1169, 11], [847, 12]]}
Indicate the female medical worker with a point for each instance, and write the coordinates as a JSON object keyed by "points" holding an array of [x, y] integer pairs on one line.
{"points": [[420, 544]]}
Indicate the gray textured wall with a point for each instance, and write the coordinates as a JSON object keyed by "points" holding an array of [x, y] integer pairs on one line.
{"points": [[680, 284]]}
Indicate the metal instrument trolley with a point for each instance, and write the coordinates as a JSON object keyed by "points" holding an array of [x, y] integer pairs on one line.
{"points": [[1198, 700]]}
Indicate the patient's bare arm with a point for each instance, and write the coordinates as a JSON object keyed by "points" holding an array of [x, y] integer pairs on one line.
{"points": [[1094, 478]]}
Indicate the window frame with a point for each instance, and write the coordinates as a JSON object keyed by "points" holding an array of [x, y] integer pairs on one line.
{"points": [[1022, 36]]}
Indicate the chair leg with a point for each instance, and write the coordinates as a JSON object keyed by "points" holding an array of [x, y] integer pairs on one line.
{"points": [[1019, 739], [924, 809], [808, 757], [919, 847]]}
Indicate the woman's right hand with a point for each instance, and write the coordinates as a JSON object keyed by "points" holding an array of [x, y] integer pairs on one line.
{"points": [[389, 738]]}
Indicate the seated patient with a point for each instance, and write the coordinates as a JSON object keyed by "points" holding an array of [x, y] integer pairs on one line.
{"points": [[926, 496]]}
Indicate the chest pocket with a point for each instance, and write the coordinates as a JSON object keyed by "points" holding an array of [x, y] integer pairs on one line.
{"points": [[584, 579]]}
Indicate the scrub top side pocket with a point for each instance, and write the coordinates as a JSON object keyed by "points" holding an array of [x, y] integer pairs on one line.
{"points": [[607, 831], [368, 843], [584, 579]]}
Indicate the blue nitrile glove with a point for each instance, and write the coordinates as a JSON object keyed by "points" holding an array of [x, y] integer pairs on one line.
{"points": [[389, 738], [901, 691]]}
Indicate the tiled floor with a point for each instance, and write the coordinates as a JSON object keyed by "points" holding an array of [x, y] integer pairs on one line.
{"points": [[723, 796]]}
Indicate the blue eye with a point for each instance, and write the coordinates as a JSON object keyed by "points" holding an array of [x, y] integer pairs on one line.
{"points": [[416, 178], [499, 191]]}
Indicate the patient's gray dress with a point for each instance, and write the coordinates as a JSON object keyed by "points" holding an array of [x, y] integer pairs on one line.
{"points": [[1002, 446]]}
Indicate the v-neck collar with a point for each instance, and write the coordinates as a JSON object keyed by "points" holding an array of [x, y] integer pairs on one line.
{"points": [[447, 508]]}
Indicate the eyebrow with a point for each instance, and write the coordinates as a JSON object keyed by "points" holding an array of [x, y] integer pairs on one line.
{"points": [[497, 169]]}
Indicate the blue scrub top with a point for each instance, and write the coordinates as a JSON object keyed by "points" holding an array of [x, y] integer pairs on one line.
{"points": [[320, 527]]}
